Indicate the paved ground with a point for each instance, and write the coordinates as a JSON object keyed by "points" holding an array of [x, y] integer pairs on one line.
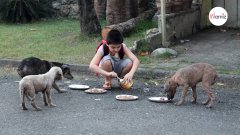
{"points": [[87, 114], [213, 46]]}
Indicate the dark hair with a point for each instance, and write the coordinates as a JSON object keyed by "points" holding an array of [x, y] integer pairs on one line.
{"points": [[114, 37]]}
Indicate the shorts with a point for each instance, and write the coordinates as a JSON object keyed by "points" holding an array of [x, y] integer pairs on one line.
{"points": [[116, 66]]}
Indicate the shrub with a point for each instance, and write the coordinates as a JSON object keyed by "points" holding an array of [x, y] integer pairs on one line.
{"points": [[21, 11]]}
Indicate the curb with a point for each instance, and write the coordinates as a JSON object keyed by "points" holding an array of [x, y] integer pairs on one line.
{"points": [[149, 73]]}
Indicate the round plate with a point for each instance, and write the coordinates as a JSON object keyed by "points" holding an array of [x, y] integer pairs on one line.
{"points": [[126, 97], [78, 87], [159, 99], [95, 91]]}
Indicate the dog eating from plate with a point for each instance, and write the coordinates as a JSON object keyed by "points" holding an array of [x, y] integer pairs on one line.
{"points": [[190, 76]]}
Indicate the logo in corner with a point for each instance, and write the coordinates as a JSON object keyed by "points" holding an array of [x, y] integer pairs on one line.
{"points": [[218, 16]]}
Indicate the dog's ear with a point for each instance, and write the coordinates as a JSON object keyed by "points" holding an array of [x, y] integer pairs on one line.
{"points": [[59, 75], [60, 72], [169, 85], [64, 66], [166, 86], [172, 83]]}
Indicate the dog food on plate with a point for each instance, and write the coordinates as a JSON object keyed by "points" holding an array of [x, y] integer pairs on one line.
{"points": [[159, 99], [95, 91], [126, 97]]}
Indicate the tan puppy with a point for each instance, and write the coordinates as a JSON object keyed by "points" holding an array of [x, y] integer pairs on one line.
{"points": [[190, 76], [32, 84]]}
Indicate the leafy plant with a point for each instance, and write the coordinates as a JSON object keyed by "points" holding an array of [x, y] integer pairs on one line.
{"points": [[142, 26], [143, 46], [21, 11], [165, 55]]}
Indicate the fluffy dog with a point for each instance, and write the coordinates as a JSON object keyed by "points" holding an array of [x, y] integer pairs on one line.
{"points": [[190, 76], [35, 66], [31, 84]]}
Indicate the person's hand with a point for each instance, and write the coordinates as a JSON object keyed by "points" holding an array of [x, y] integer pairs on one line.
{"points": [[128, 77], [112, 74]]}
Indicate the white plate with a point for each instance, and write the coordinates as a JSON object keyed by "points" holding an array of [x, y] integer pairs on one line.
{"points": [[95, 91], [126, 97], [159, 99], [78, 87]]}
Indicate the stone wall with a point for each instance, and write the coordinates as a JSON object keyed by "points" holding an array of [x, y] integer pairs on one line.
{"points": [[178, 26], [182, 24], [66, 8]]}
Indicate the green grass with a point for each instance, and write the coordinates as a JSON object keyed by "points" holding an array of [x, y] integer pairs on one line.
{"points": [[54, 40], [224, 71]]}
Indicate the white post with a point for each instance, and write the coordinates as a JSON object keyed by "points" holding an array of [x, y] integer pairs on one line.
{"points": [[163, 22]]}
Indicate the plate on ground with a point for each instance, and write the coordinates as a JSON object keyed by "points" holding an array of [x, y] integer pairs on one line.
{"points": [[78, 87], [126, 97], [95, 91], [159, 99]]}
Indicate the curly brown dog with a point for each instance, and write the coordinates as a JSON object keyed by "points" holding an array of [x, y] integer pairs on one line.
{"points": [[190, 76], [32, 84]]}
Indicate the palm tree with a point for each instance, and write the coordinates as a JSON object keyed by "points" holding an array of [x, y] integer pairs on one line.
{"points": [[129, 9], [100, 8], [133, 9], [112, 15], [89, 23], [120, 11]]}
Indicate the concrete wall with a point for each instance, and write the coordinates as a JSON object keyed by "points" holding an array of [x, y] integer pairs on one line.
{"points": [[182, 24], [179, 25]]}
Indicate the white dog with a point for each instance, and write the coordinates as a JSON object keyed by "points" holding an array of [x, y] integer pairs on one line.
{"points": [[31, 84]]}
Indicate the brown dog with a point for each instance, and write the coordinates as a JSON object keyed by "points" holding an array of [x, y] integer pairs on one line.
{"points": [[190, 76], [32, 84]]}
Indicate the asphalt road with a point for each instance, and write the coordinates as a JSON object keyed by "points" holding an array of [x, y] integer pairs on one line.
{"points": [[78, 113]]}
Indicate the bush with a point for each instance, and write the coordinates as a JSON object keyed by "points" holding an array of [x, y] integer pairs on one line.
{"points": [[21, 11]]}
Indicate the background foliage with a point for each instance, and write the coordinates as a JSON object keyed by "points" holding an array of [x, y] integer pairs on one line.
{"points": [[21, 11]]}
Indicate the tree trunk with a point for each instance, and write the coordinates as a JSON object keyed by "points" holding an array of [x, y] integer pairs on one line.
{"points": [[131, 9], [126, 27], [89, 23], [144, 5], [123, 11], [100, 8], [120, 11], [112, 12]]}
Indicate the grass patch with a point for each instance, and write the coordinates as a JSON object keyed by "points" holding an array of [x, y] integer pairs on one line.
{"points": [[223, 71], [55, 40], [59, 40], [165, 55]]}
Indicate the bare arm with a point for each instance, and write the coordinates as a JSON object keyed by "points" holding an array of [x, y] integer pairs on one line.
{"points": [[135, 65], [95, 67]]}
